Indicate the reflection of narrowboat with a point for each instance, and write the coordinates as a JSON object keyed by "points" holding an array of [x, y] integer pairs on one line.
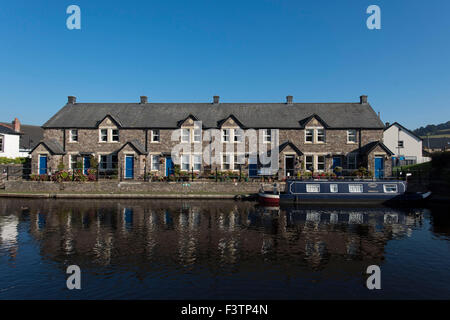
{"points": [[313, 191]]}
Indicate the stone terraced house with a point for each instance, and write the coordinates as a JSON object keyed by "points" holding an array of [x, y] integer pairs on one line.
{"points": [[135, 138]]}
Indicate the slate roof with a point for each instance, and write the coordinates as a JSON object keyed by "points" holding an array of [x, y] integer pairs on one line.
{"points": [[366, 149], [6, 129], [52, 145], [31, 136], [136, 145], [251, 115]]}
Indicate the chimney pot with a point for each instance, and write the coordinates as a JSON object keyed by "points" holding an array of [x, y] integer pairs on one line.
{"points": [[16, 125], [387, 124], [363, 99], [71, 99], [216, 99], [144, 99], [289, 100]]}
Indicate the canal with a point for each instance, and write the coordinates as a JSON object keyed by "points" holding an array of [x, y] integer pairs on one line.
{"points": [[151, 249]]}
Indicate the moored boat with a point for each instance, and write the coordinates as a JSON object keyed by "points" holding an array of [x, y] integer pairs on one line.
{"points": [[350, 191]]}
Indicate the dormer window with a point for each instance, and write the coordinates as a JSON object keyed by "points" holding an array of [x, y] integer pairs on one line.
{"points": [[73, 135], [185, 135], [115, 135], [238, 135], [104, 135], [226, 135], [320, 135], [309, 135], [197, 135]]}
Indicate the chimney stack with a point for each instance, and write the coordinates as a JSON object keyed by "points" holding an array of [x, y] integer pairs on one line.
{"points": [[71, 99], [363, 99], [16, 125], [144, 99], [216, 99], [289, 100], [387, 124]]}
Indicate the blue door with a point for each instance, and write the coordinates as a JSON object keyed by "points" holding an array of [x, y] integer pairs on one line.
{"points": [[252, 170], [379, 167], [169, 166], [129, 167], [42, 164], [86, 164], [336, 162]]}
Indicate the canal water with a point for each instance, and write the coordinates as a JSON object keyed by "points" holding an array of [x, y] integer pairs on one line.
{"points": [[220, 250]]}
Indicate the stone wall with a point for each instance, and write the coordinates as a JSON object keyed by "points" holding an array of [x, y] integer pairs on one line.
{"points": [[130, 187]]}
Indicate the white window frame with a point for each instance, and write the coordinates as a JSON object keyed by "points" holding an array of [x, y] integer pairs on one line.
{"points": [[323, 135], [112, 135], [306, 135], [313, 188], [267, 135], [197, 134], [182, 162], [100, 161], [400, 144], [183, 135], [334, 188], [195, 163], [229, 163], [101, 135], [390, 185], [312, 162], [153, 162], [349, 131], [317, 162], [355, 188], [72, 156], [238, 136], [155, 133], [354, 157], [2, 143], [71, 135], [226, 133]]}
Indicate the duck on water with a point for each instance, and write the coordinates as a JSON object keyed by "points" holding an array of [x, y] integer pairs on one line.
{"points": [[338, 191]]}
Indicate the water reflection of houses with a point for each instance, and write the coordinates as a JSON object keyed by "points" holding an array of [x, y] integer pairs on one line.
{"points": [[144, 235]]}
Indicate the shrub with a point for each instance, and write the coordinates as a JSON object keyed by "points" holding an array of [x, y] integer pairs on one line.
{"points": [[4, 160]]}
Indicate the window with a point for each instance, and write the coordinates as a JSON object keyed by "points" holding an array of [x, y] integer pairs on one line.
{"points": [[320, 162], [104, 135], [73, 135], [351, 161], [400, 143], [309, 163], [309, 134], [390, 188], [197, 160], [198, 135], [355, 188], [267, 135], [333, 188], [185, 165], [238, 135], [236, 162], [1, 143], [155, 136], [313, 188], [73, 162], [185, 135], [351, 136], [320, 135], [226, 135], [226, 162], [115, 135], [155, 163], [103, 162], [114, 161]]}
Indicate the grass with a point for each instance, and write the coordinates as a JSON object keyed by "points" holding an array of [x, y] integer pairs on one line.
{"points": [[425, 167]]}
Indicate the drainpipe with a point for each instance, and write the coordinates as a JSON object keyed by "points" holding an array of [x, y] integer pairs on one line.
{"points": [[64, 139], [359, 148]]}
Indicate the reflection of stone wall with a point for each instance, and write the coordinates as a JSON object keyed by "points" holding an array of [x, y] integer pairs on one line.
{"points": [[140, 187]]}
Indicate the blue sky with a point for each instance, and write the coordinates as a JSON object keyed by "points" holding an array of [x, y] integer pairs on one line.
{"points": [[244, 51]]}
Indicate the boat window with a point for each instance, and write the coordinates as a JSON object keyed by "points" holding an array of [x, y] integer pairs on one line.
{"points": [[390, 188], [313, 188], [333, 188], [355, 188]]}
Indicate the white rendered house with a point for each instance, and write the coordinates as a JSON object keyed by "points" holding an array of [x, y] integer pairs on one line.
{"points": [[406, 146], [9, 142]]}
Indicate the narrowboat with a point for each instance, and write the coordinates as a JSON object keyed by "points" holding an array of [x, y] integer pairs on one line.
{"points": [[350, 191]]}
